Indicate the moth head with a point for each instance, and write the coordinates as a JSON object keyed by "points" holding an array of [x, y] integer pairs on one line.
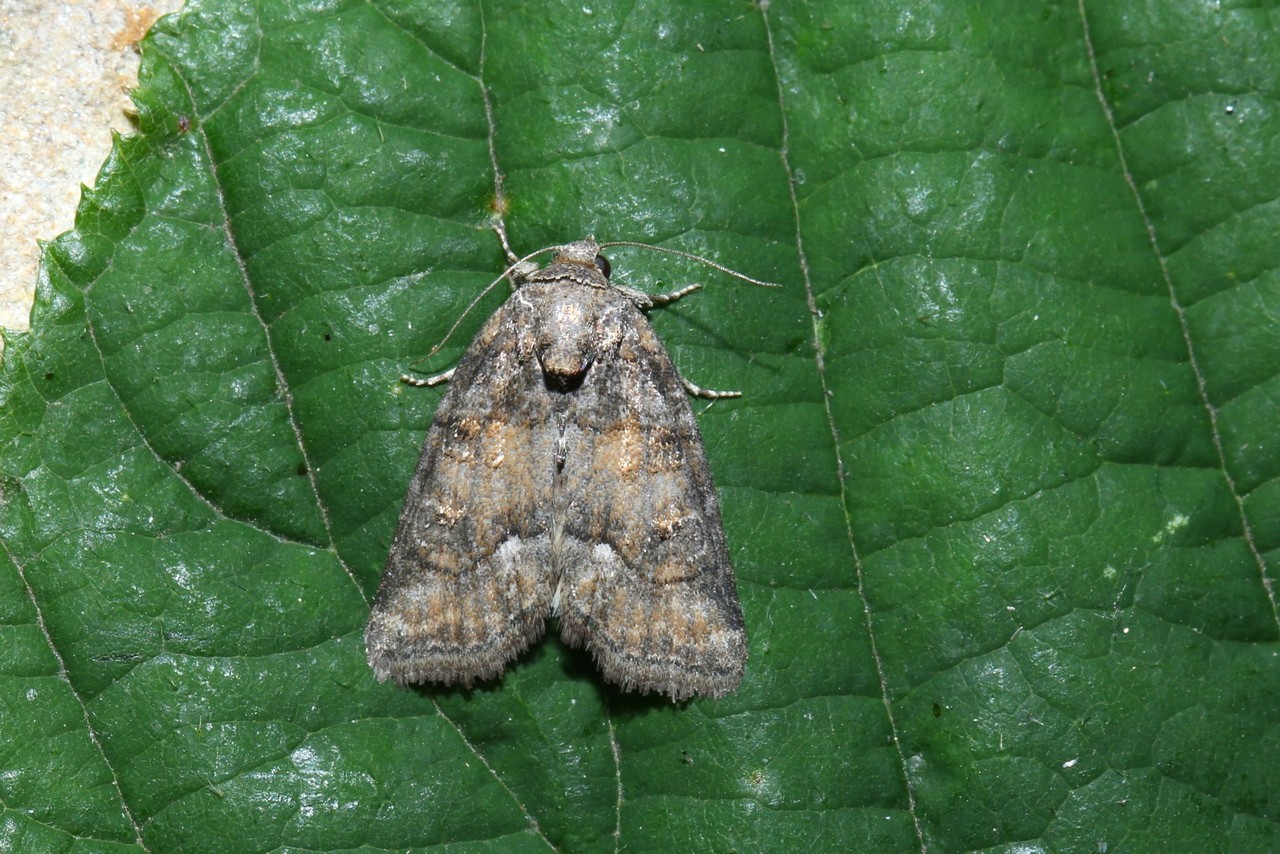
{"points": [[579, 262], [584, 253]]}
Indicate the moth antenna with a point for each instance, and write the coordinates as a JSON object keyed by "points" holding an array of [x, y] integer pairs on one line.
{"points": [[511, 269], [692, 257]]}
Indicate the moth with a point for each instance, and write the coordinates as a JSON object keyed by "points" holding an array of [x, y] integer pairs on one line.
{"points": [[564, 475]]}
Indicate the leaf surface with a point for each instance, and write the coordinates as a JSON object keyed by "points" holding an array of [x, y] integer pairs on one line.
{"points": [[1001, 490]]}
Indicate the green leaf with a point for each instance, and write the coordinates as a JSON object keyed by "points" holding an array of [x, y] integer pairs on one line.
{"points": [[1001, 490]]}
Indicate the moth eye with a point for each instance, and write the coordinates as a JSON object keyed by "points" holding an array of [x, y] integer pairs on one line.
{"points": [[603, 263]]}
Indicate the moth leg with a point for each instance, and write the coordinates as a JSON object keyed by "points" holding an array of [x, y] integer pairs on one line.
{"points": [[647, 300], [672, 296], [422, 382], [708, 393], [523, 270], [500, 228]]}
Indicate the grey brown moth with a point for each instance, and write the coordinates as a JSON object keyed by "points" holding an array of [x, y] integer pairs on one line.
{"points": [[563, 475]]}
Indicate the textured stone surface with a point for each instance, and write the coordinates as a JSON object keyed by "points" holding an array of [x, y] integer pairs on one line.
{"points": [[66, 69]]}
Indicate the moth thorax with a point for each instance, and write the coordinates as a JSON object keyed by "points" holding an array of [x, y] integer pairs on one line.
{"points": [[566, 343], [565, 363]]}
